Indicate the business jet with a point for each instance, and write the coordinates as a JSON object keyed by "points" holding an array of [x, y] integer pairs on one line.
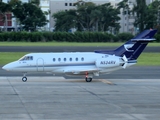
{"points": [[87, 64]]}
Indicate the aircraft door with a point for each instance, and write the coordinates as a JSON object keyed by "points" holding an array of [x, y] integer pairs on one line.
{"points": [[40, 65]]}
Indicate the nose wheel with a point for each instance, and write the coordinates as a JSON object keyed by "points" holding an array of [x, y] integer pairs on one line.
{"points": [[24, 79]]}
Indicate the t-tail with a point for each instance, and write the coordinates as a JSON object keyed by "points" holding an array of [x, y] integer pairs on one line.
{"points": [[134, 47]]}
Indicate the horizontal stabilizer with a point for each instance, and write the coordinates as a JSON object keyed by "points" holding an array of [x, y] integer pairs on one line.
{"points": [[143, 40]]}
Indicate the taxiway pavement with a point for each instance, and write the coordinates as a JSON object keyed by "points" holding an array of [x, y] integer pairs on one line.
{"points": [[56, 98], [133, 72], [129, 94]]}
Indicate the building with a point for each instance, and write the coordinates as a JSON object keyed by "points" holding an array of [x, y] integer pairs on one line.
{"points": [[6, 20], [44, 4]]}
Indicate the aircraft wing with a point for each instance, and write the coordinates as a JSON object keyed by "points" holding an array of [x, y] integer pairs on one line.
{"points": [[80, 71]]}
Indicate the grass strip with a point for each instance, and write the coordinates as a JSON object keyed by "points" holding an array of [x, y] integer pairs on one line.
{"points": [[6, 57], [145, 59], [149, 59], [66, 44]]}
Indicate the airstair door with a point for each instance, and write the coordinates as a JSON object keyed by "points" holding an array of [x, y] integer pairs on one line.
{"points": [[40, 65]]}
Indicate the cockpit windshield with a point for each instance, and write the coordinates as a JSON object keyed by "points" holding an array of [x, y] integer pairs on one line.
{"points": [[26, 58]]}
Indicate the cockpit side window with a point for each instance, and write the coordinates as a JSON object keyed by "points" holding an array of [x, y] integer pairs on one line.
{"points": [[26, 58]]}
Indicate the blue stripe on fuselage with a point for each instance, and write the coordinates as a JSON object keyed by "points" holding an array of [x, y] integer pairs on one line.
{"points": [[60, 65]]}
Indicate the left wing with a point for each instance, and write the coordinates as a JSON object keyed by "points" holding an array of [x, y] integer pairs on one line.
{"points": [[80, 71]]}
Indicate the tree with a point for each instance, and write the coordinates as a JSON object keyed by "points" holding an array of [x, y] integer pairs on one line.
{"points": [[147, 16], [29, 15], [124, 6], [65, 20], [88, 17], [109, 18], [35, 2], [141, 12], [153, 16]]}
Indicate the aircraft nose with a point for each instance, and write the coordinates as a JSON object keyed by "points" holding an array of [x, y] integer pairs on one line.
{"points": [[6, 67]]}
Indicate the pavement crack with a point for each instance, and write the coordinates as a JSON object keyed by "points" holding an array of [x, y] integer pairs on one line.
{"points": [[94, 94], [19, 98]]}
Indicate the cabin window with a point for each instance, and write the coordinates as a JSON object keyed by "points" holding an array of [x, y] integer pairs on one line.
{"points": [[82, 59], [59, 59], [54, 59], [70, 59], [65, 59], [106, 55], [76, 59]]}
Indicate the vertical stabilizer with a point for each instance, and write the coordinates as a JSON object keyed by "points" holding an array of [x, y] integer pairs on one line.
{"points": [[134, 47]]}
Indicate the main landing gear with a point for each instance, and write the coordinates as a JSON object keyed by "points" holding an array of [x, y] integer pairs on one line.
{"points": [[88, 77], [24, 78]]}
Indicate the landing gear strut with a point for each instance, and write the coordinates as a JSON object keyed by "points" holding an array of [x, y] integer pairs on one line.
{"points": [[24, 78]]}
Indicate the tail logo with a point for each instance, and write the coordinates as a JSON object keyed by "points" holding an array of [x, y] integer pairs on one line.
{"points": [[127, 46]]}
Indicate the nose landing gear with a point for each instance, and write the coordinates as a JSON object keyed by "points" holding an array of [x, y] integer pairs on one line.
{"points": [[24, 78]]}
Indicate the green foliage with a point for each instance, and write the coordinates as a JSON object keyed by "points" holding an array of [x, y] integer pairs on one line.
{"points": [[35, 37], [47, 35], [124, 36], [4, 36], [29, 14], [66, 37], [147, 16], [88, 17], [157, 37], [65, 20]]}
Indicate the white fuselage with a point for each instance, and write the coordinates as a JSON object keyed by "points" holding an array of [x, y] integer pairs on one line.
{"points": [[76, 63]]}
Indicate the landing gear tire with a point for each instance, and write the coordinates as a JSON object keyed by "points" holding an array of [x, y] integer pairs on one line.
{"points": [[88, 79], [24, 79]]}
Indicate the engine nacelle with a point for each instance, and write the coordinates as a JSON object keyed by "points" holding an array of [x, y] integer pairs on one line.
{"points": [[108, 62]]}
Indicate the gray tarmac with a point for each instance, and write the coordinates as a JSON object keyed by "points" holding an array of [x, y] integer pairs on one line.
{"points": [[127, 94], [133, 72], [110, 97], [56, 98]]}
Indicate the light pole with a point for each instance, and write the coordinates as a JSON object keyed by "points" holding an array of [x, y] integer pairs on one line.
{"points": [[128, 7], [6, 22], [127, 19]]}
